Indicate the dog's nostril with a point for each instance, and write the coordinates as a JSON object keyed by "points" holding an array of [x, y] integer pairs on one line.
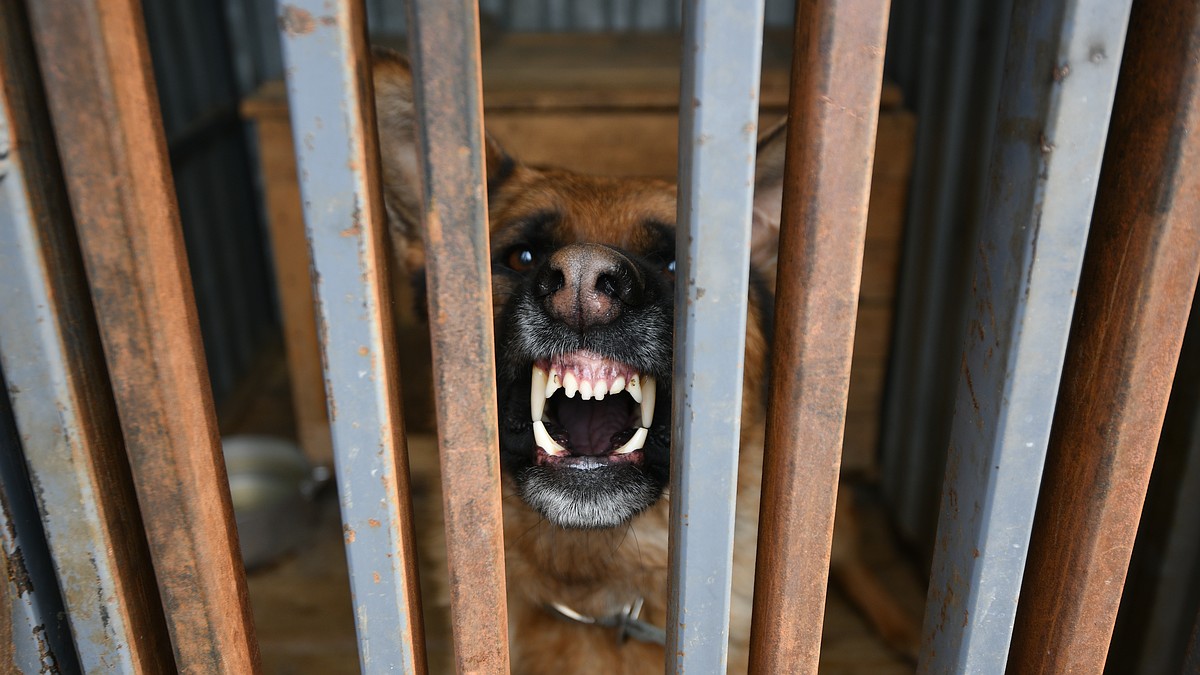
{"points": [[619, 284], [548, 281], [608, 285]]}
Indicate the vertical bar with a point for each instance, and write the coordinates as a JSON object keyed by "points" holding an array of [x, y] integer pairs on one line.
{"points": [[1059, 78], [50, 350], [444, 45], [956, 111], [105, 113], [1162, 590], [1138, 281], [1191, 660], [722, 55], [34, 636], [333, 122], [837, 77]]}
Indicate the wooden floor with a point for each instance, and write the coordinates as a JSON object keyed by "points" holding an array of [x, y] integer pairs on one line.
{"points": [[302, 606]]}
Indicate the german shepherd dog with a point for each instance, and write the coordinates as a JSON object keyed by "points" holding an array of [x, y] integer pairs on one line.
{"points": [[583, 283]]}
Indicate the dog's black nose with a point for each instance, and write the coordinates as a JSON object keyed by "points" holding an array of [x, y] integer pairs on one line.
{"points": [[586, 285]]}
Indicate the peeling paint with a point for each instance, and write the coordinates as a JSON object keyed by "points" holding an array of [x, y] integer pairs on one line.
{"points": [[296, 21]]}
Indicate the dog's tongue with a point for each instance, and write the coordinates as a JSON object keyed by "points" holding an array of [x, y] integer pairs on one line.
{"points": [[591, 425]]}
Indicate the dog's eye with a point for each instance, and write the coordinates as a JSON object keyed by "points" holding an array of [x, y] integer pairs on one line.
{"points": [[669, 269], [522, 259]]}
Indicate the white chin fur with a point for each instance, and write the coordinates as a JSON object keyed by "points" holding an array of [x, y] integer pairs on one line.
{"points": [[578, 506]]}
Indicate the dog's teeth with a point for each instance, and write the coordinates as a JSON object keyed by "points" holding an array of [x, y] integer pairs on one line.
{"points": [[570, 385], [600, 390], [552, 385], [537, 394], [543, 440], [617, 385], [635, 443], [648, 390], [585, 390], [634, 388]]}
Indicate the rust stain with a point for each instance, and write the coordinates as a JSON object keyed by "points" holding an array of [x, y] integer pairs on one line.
{"points": [[18, 574], [296, 21], [966, 370], [349, 532], [372, 522], [1045, 144], [375, 577], [363, 351]]}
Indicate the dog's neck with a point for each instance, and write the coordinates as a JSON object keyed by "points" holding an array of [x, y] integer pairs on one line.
{"points": [[595, 572]]}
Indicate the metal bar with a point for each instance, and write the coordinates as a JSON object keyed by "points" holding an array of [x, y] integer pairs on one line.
{"points": [[1138, 281], [34, 635], [333, 123], [50, 350], [444, 45], [1060, 74], [1191, 660], [718, 103], [1161, 592], [104, 108], [961, 79], [1169, 564], [837, 77]]}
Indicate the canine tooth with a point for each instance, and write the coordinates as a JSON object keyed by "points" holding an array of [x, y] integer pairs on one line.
{"points": [[543, 440], [585, 390], [617, 385], [634, 388], [537, 394], [570, 384], [648, 391], [552, 385], [635, 443], [600, 390]]}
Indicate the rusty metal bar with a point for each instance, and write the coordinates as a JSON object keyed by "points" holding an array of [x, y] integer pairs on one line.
{"points": [[718, 122], [444, 48], [50, 350], [104, 107], [837, 74], [1191, 660], [1135, 292], [1059, 78], [333, 123]]}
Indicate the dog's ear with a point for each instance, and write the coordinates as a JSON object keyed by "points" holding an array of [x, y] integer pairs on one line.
{"points": [[396, 117], [768, 200]]}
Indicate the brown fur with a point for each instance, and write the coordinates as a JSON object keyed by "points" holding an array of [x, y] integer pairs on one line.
{"points": [[595, 572]]}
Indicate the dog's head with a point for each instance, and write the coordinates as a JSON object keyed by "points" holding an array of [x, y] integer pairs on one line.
{"points": [[583, 284]]}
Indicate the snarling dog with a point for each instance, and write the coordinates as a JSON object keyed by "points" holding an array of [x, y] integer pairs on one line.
{"points": [[583, 283]]}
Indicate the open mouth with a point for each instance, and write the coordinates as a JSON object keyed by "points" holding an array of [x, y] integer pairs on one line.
{"points": [[589, 411]]}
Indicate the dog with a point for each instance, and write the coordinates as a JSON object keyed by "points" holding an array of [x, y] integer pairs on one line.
{"points": [[583, 285]]}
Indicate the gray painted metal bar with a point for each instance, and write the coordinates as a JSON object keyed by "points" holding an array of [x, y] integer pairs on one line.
{"points": [[1060, 76], [1135, 292], [722, 52], [333, 122], [958, 97], [63, 407], [448, 93], [34, 635]]}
